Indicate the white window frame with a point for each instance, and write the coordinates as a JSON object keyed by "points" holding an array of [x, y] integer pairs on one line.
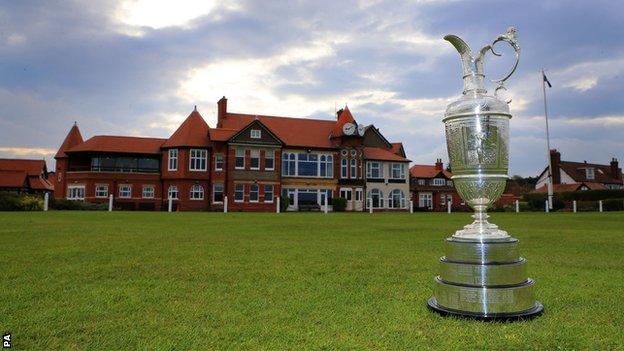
{"points": [[214, 191], [218, 162], [148, 187], [380, 203], [376, 165], [123, 188], [198, 157], [422, 181], [438, 182], [397, 167], [242, 186], [269, 155], [272, 192], [353, 169], [99, 191], [72, 191], [196, 192], [344, 168], [590, 174], [173, 189], [391, 203], [257, 192], [254, 154], [172, 160], [237, 156], [255, 134], [425, 200], [359, 192], [449, 183], [346, 193]]}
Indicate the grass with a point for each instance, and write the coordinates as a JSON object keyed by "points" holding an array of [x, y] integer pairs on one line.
{"points": [[204, 281]]}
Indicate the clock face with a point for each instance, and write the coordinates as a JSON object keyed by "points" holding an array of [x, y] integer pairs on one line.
{"points": [[360, 129], [348, 128]]}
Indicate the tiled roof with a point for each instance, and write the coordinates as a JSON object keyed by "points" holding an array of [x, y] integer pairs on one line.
{"points": [[120, 144], [221, 134], [576, 170], [192, 132], [428, 171], [377, 153], [39, 183], [12, 179], [31, 167], [558, 188], [294, 132], [72, 139], [397, 148], [344, 118]]}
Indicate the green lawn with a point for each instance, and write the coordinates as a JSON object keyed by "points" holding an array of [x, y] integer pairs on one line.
{"points": [[165, 281]]}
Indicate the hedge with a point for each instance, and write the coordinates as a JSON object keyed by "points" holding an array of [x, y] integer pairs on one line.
{"points": [[14, 202], [339, 204]]}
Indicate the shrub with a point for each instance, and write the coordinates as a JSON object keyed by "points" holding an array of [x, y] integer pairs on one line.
{"points": [[16, 202], [64, 204], [284, 203], [339, 204], [10, 202], [31, 203], [613, 205]]}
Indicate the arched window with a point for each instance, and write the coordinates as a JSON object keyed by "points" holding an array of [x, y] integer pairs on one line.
{"points": [[197, 192], [376, 197], [396, 199], [343, 168], [173, 192], [353, 168]]}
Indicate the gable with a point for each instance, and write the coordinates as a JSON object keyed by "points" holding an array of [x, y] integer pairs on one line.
{"points": [[255, 133], [372, 137]]}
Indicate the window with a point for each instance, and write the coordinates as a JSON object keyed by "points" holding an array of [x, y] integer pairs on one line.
{"points": [[217, 192], [421, 182], [307, 165], [254, 193], [345, 194], [438, 182], [218, 162], [75, 192], [353, 153], [239, 192], [374, 170], [449, 183], [269, 160], [256, 134], [376, 197], [343, 168], [589, 173], [198, 160], [396, 199], [101, 191], [173, 159], [268, 193], [289, 165], [358, 194], [353, 168], [125, 191], [425, 200], [443, 199], [255, 159], [148, 191], [327, 166], [398, 171], [173, 192], [240, 159], [197, 192]]}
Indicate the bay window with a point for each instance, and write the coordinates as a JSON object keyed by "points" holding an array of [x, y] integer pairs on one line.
{"points": [[173, 160], [198, 160]]}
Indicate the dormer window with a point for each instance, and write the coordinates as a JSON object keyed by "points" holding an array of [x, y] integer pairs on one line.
{"points": [[439, 181], [589, 173], [256, 134]]}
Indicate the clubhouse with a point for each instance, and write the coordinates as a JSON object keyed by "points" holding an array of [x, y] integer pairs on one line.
{"points": [[250, 159]]}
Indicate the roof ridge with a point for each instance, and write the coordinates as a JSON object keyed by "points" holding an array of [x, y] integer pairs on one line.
{"points": [[126, 136], [284, 117]]}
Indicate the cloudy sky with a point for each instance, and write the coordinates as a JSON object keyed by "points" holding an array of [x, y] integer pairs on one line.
{"points": [[138, 67]]}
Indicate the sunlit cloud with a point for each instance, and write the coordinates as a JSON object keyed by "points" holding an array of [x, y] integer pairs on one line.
{"points": [[163, 13]]}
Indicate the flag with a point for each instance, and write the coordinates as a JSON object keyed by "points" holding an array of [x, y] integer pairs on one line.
{"points": [[546, 80]]}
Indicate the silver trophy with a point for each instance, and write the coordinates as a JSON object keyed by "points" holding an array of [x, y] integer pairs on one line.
{"points": [[482, 274]]}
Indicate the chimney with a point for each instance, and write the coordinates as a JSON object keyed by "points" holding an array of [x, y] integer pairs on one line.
{"points": [[221, 111], [439, 166], [555, 162], [616, 172], [338, 113]]}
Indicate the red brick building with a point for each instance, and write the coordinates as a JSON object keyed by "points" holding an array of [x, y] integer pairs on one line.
{"points": [[432, 189], [24, 176], [248, 160]]}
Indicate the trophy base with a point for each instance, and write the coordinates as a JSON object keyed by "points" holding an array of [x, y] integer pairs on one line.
{"points": [[535, 311], [484, 279]]}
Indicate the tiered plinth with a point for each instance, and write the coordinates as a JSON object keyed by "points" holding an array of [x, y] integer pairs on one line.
{"points": [[484, 279]]}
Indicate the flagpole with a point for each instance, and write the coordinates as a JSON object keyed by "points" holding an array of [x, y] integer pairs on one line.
{"points": [[550, 170]]}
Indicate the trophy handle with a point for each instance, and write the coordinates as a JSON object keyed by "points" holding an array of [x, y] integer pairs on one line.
{"points": [[510, 38]]}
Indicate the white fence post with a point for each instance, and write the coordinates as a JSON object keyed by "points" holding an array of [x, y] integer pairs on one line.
{"points": [[110, 203], [546, 206], [325, 206], [411, 206], [277, 205], [448, 207], [517, 206], [574, 206], [225, 204], [600, 205], [170, 205], [370, 205], [46, 199]]}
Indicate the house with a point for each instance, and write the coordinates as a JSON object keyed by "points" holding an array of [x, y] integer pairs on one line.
{"points": [[575, 176], [247, 160], [24, 176], [431, 187]]}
